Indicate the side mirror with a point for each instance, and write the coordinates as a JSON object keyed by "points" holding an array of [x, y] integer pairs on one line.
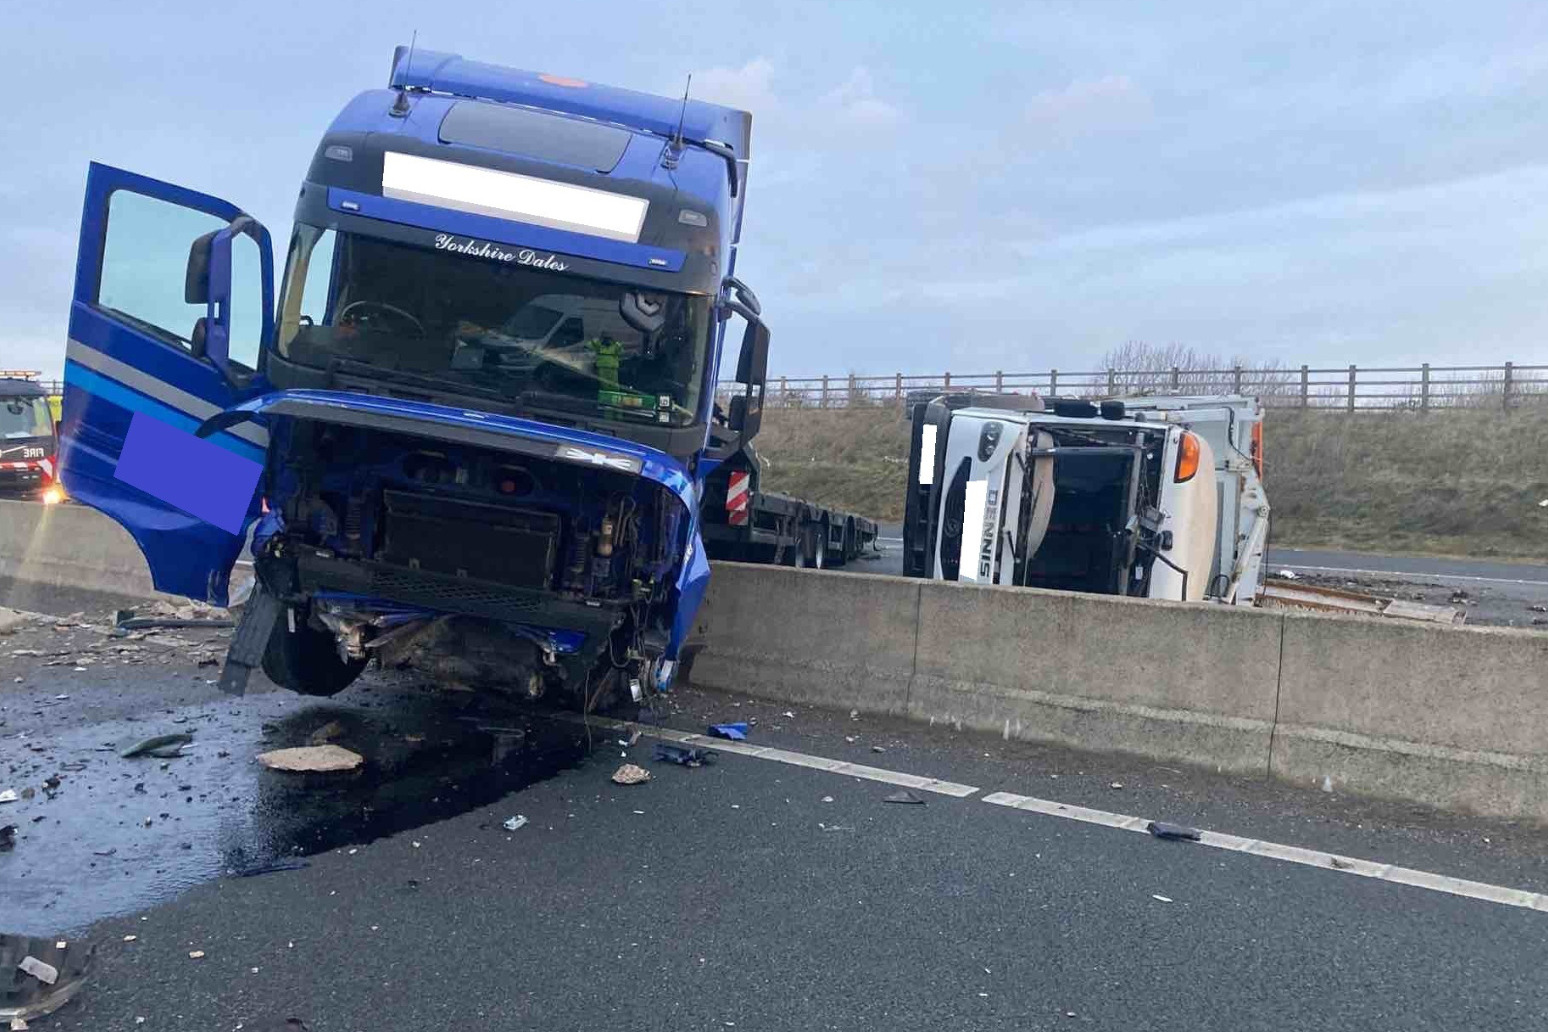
{"points": [[207, 281], [746, 414]]}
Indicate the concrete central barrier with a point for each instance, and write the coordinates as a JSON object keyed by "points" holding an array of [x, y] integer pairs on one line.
{"points": [[1451, 717]]}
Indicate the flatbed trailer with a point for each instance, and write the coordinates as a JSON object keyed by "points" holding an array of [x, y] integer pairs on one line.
{"points": [[742, 523]]}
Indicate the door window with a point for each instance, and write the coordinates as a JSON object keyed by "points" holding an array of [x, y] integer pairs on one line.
{"points": [[144, 264]]}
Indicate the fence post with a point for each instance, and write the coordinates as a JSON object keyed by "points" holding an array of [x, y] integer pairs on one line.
{"points": [[999, 381], [824, 402], [897, 386], [850, 397], [1351, 388], [946, 381], [1236, 379], [1053, 382], [1112, 382], [1509, 377], [1176, 379], [1424, 388], [1305, 388], [784, 392]]}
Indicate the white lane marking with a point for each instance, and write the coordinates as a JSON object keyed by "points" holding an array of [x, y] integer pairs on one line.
{"points": [[1106, 818], [795, 759], [1409, 574], [1289, 854]]}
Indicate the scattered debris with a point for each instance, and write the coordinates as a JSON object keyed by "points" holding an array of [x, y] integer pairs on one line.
{"points": [[1538, 609], [1342, 865], [327, 733], [827, 799], [736, 732], [9, 796], [634, 736], [1116, 784], [130, 938], [903, 795], [854, 714], [683, 755], [1327, 782], [163, 747], [195, 954], [851, 739], [48, 974], [788, 715], [629, 774], [1160, 898], [313, 759], [1288, 574], [877, 748], [57, 969], [1163, 830], [515, 823]]}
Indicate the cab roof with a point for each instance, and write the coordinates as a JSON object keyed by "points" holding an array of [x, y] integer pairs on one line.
{"points": [[702, 122], [11, 388]]}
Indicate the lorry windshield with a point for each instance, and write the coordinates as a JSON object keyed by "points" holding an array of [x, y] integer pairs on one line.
{"points": [[485, 327], [24, 417]]}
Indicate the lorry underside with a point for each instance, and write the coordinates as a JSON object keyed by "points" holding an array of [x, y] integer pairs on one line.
{"points": [[481, 568]]}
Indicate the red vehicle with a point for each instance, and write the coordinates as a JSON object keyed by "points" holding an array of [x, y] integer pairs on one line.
{"points": [[29, 445]]}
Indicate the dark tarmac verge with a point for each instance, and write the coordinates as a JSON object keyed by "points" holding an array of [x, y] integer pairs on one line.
{"points": [[744, 894]]}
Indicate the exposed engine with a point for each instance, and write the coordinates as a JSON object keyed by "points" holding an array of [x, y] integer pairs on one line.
{"points": [[503, 570]]}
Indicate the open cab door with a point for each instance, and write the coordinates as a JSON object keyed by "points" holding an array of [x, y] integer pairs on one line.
{"points": [[173, 302]]}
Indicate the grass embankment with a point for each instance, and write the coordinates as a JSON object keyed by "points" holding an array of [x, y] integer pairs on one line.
{"points": [[1448, 483]]}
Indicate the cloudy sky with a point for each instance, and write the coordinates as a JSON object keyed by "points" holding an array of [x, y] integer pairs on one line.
{"points": [[935, 185]]}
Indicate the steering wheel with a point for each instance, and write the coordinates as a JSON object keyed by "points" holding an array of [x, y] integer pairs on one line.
{"points": [[378, 306]]}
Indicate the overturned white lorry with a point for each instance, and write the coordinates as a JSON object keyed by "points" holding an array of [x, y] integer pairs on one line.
{"points": [[1152, 497]]}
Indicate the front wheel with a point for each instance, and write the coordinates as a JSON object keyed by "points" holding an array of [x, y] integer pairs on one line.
{"points": [[305, 660]]}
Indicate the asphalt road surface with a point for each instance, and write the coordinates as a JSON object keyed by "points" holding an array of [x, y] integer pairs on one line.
{"points": [[1492, 593], [769, 892]]}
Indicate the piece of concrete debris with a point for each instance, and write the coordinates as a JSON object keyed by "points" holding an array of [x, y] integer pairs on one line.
{"points": [[1163, 830], [1287, 574], [515, 823], [195, 954], [163, 747], [314, 759], [630, 774], [903, 795], [12, 620], [48, 974], [9, 796], [327, 733]]}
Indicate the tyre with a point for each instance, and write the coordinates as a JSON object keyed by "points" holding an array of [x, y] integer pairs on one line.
{"points": [[840, 555], [812, 552], [306, 661]]}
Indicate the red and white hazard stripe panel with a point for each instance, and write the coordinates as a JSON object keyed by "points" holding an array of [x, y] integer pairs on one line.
{"points": [[18, 465], [48, 467], [737, 497]]}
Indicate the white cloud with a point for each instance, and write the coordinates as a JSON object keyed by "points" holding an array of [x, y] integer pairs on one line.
{"points": [[1087, 105], [855, 101], [749, 87]]}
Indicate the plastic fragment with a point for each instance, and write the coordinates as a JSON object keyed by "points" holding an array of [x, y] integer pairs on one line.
{"points": [[160, 746], [630, 774], [48, 974], [1161, 898], [683, 755], [515, 823], [1163, 830], [736, 732], [903, 795]]}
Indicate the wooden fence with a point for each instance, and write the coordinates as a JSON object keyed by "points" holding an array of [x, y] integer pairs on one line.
{"points": [[1347, 388]]}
